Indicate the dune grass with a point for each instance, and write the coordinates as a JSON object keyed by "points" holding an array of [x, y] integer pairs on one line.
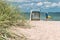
{"points": [[9, 16]]}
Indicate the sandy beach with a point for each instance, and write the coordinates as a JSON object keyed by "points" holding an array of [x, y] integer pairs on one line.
{"points": [[41, 30]]}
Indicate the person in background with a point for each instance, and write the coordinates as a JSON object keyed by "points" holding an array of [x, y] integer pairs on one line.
{"points": [[46, 16]]}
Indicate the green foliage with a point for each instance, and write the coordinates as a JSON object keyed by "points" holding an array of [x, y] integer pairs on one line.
{"points": [[8, 17]]}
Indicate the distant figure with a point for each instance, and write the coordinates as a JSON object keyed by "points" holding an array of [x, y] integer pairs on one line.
{"points": [[46, 16]]}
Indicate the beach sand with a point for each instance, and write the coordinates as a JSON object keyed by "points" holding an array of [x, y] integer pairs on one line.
{"points": [[41, 30]]}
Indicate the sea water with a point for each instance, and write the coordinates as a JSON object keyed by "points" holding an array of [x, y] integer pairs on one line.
{"points": [[55, 16]]}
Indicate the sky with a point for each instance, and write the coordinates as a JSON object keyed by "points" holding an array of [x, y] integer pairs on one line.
{"points": [[42, 5]]}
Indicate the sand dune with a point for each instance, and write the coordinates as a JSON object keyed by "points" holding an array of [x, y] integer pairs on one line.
{"points": [[42, 30]]}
